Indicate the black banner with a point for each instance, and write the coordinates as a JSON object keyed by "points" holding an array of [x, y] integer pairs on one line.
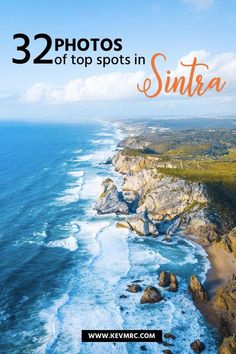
{"points": [[122, 336]]}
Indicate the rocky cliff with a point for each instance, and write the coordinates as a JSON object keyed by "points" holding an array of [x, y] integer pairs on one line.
{"points": [[146, 190], [155, 199], [224, 304], [228, 242]]}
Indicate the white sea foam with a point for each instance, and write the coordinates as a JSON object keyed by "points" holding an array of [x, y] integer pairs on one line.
{"points": [[102, 141], [207, 264], [84, 158], [76, 173], [104, 134], [103, 155], [81, 314], [40, 234], [163, 129], [113, 262], [91, 186], [95, 302], [145, 255], [72, 193], [67, 199], [69, 243], [90, 227], [88, 232], [120, 135], [198, 250], [189, 259], [49, 316]]}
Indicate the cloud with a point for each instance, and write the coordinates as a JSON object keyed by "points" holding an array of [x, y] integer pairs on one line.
{"points": [[113, 86], [5, 95], [222, 65], [199, 5], [122, 86]]}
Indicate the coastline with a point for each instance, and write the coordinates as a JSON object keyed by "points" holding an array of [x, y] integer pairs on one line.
{"points": [[139, 179], [223, 265]]}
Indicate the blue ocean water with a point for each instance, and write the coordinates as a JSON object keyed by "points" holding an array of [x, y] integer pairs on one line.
{"points": [[63, 268]]}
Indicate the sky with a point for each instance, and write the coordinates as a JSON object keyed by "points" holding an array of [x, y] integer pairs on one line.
{"points": [[181, 29]]}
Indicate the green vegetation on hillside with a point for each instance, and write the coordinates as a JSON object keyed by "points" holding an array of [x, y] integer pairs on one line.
{"points": [[207, 156], [204, 171]]}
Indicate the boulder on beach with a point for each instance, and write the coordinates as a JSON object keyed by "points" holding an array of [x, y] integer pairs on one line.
{"points": [[134, 288], [168, 279], [110, 200], [197, 346], [151, 295], [141, 224], [228, 346], [196, 289]]}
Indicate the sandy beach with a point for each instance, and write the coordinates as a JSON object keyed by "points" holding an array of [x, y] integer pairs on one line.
{"points": [[223, 265]]}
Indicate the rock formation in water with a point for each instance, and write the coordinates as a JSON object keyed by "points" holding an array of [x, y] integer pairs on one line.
{"points": [[110, 200], [196, 289], [197, 346], [134, 288], [168, 279], [150, 295], [169, 336]]}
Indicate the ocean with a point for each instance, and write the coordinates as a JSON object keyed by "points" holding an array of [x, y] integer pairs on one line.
{"points": [[63, 268]]}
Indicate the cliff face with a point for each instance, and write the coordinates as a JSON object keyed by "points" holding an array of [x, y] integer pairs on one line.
{"points": [[228, 242], [125, 163], [171, 198], [164, 197], [225, 306]]}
